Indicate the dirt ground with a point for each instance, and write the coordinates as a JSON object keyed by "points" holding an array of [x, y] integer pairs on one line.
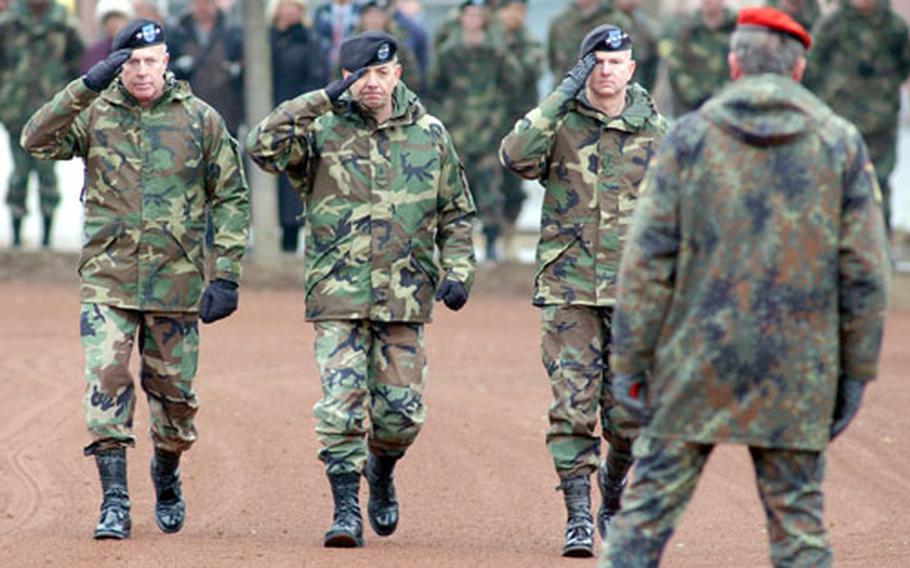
{"points": [[477, 489]]}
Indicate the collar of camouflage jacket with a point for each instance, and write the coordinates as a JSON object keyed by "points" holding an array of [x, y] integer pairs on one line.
{"points": [[406, 108], [764, 109], [175, 90], [639, 108]]}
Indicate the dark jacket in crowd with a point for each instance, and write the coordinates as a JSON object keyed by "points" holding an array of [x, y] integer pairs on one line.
{"points": [[213, 67]]}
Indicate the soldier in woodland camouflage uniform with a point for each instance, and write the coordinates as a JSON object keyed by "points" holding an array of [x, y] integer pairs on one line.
{"points": [[386, 207], [806, 12], [751, 299], [375, 16], [40, 51], [471, 79], [645, 34], [517, 40], [571, 26], [155, 157], [860, 59], [697, 55], [589, 143]]}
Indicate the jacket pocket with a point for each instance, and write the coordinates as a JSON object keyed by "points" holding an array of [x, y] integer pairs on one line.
{"points": [[99, 241]]}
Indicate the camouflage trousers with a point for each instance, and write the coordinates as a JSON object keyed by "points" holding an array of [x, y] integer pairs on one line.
{"points": [[666, 472], [883, 153], [484, 174], [23, 166], [575, 347], [168, 347], [373, 375]]}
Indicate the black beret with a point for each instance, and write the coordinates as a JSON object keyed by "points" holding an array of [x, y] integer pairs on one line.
{"points": [[379, 4], [137, 34], [365, 49], [605, 37], [503, 3], [466, 3]]}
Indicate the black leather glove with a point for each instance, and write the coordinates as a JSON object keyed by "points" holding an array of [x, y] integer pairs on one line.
{"points": [[575, 79], [849, 397], [453, 294], [218, 301], [339, 86], [631, 393], [100, 75]]}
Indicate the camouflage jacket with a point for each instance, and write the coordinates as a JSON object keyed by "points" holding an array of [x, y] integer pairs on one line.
{"points": [[149, 175], [857, 64], [569, 29], [378, 199], [37, 59], [807, 13], [645, 35], [590, 166], [470, 88], [530, 56], [755, 270], [697, 61]]}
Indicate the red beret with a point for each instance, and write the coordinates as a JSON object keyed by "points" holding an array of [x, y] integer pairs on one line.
{"points": [[776, 20]]}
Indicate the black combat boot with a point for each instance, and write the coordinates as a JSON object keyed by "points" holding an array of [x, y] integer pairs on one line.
{"points": [[170, 509], [48, 223], [610, 491], [347, 524], [579, 541], [115, 505], [382, 508], [17, 232]]}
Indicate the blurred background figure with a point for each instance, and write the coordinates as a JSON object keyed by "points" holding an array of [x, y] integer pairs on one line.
{"points": [[410, 19], [111, 16], [857, 64], [298, 66], [510, 26], [806, 12], [333, 22], [375, 16], [146, 10], [40, 50], [472, 75], [572, 25], [644, 33], [207, 51], [697, 59]]}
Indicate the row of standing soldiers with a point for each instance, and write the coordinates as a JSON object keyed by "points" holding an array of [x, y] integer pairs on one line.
{"points": [[482, 75]]}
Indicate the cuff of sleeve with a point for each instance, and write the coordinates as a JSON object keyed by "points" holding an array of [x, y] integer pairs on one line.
{"points": [[554, 105], [80, 92], [228, 269], [625, 365]]}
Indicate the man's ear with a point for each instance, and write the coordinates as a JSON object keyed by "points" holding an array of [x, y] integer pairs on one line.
{"points": [[798, 69], [733, 63]]}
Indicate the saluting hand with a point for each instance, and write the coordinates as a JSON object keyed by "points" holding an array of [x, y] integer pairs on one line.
{"points": [[100, 75], [339, 86], [577, 76]]}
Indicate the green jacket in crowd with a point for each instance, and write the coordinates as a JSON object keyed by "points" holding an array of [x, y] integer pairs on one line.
{"points": [[37, 59], [591, 166], [571, 26], [378, 200], [149, 175], [697, 60], [470, 88], [755, 271], [645, 34], [807, 12], [857, 64], [530, 55]]}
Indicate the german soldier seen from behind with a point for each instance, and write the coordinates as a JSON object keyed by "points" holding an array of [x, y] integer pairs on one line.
{"points": [[155, 158], [471, 77], [857, 64], [697, 58], [752, 297], [589, 144], [387, 207]]}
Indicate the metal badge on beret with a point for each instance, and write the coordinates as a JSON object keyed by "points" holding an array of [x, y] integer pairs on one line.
{"points": [[605, 37], [367, 48], [138, 34]]}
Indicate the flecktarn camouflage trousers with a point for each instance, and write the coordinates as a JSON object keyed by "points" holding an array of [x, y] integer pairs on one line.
{"points": [[575, 347], [666, 472], [373, 375], [169, 348]]}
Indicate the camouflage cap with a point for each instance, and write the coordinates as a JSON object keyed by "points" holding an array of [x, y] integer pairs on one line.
{"points": [[365, 49], [138, 34], [605, 37]]}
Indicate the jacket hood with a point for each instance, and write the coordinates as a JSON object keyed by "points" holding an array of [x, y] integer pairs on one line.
{"points": [[639, 108], [764, 109], [176, 90], [406, 107]]}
